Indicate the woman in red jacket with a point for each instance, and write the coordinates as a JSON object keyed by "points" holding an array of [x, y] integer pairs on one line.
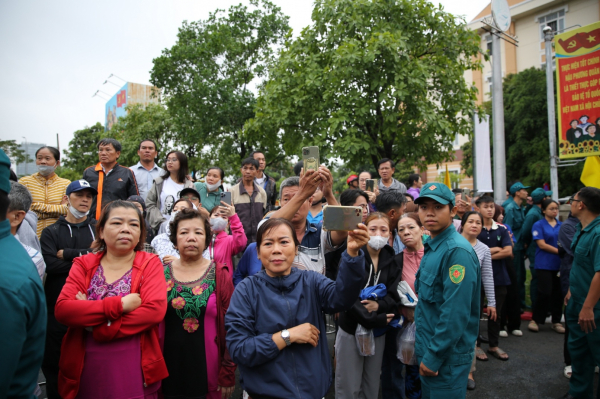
{"points": [[113, 302], [198, 294]]}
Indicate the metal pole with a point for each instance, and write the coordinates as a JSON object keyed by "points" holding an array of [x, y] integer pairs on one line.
{"points": [[548, 37], [498, 115], [474, 153]]}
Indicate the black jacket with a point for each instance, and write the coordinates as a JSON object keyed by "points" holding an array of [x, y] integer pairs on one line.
{"points": [[119, 184], [74, 240], [388, 270]]}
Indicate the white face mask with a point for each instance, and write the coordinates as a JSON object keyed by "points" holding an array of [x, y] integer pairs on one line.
{"points": [[377, 242], [218, 224], [213, 187], [77, 214], [173, 214], [46, 170]]}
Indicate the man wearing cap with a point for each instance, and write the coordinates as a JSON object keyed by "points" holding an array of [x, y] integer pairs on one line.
{"points": [[71, 236], [192, 195], [352, 181], [583, 297], [529, 244], [449, 287], [515, 217], [23, 315]]}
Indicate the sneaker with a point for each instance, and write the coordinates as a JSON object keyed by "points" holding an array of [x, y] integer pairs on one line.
{"points": [[503, 334], [558, 328], [517, 333], [568, 371], [533, 327]]}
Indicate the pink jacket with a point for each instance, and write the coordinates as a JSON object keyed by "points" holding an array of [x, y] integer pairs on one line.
{"points": [[228, 245]]}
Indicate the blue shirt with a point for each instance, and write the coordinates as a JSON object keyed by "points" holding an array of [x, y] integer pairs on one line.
{"points": [[497, 237], [542, 230], [249, 264], [315, 219], [145, 178]]}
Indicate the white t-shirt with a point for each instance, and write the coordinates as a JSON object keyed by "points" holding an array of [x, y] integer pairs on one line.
{"points": [[261, 181], [168, 196]]}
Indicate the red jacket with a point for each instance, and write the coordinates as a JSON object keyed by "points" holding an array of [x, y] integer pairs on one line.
{"points": [[224, 291], [228, 245], [77, 315]]}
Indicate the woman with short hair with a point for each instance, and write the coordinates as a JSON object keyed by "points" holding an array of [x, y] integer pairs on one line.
{"points": [[46, 188], [166, 188], [275, 324], [198, 295], [113, 302]]}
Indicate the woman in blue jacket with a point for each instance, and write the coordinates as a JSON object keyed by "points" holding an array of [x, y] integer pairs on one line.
{"points": [[275, 325]]}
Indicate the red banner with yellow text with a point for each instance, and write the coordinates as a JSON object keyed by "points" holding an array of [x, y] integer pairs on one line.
{"points": [[578, 89]]}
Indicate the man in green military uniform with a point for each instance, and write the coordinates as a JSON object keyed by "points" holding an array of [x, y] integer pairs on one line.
{"points": [[448, 285], [515, 216], [530, 245], [583, 299]]}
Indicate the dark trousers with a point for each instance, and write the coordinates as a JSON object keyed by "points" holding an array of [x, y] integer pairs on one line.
{"points": [[566, 353], [533, 285], [392, 381], [494, 326], [510, 313], [54, 335], [519, 262], [549, 296]]}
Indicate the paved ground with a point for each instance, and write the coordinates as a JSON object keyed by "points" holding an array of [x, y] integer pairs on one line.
{"points": [[534, 371]]}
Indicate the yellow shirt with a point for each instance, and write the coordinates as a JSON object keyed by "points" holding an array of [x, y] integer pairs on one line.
{"points": [[47, 195]]}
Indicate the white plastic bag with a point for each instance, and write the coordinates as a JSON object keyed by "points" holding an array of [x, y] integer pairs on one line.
{"points": [[405, 344], [365, 340]]}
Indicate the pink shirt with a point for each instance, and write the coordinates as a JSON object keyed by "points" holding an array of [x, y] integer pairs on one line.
{"points": [[228, 245], [412, 260]]}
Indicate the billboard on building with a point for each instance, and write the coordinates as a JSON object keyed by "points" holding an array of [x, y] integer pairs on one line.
{"points": [[130, 93], [578, 80]]}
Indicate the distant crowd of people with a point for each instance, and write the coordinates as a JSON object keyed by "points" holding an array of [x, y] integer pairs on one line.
{"points": [[137, 282]]}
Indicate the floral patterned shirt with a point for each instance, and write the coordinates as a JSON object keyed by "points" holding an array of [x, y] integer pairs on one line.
{"points": [[100, 289]]}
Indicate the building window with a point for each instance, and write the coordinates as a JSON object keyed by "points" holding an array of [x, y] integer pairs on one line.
{"points": [[488, 41], [555, 20], [488, 81]]}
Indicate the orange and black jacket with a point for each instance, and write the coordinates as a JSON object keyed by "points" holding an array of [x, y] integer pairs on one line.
{"points": [[119, 184]]}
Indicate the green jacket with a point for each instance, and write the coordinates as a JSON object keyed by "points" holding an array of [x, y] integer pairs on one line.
{"points": [[586, 260], [208, 199], [515, 217], [534, 214], [22, 319], [448, 285]]}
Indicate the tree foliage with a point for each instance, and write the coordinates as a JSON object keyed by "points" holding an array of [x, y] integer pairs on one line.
{"points": [[83, 150], [526, 132], [152, 121], [372, 79], [207, 76], [14, 151]]}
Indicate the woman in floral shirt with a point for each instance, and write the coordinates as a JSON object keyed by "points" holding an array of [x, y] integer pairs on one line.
{"points": [[198, 294]]}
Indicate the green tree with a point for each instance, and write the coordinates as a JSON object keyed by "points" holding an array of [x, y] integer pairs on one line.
{"points": [[372, 79], [14, 151], [526, 130], [207, 79], [467, 161], [150, 122], [83, 150]]}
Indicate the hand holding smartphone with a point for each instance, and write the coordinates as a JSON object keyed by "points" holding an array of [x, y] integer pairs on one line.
{"points": [[310, 156], [341, 218]]}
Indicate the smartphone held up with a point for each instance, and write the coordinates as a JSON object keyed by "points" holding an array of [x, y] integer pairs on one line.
{"points": [[341, 218]]}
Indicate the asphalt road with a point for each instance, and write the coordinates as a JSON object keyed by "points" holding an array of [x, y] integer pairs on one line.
{"points": [[534, 370]]}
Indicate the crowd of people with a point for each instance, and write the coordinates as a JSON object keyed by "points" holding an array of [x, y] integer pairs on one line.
{"points": [[137, 282]]}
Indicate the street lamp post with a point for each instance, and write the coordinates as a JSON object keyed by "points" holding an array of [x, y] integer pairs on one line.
{"points": [[548, 37]]}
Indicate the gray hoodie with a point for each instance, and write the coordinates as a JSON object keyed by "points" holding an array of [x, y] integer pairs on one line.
{"points": [[27, 231], [396, 185]]}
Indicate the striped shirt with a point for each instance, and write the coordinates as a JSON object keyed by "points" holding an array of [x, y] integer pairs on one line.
{"points": [[47, 195], [487, 275]]}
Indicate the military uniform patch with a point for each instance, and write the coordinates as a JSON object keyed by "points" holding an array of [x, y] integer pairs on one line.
{"points": [[457, 273]]}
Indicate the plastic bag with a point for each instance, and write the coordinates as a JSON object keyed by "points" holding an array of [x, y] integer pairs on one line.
{"points": [[405, 343], [365, 340]]}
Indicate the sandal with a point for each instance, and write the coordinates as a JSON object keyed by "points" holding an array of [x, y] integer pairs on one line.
{"points": [[480, 355], [498, 354]]}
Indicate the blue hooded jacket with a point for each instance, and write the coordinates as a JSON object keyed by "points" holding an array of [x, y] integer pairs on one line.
{"points": [[263, 305]]}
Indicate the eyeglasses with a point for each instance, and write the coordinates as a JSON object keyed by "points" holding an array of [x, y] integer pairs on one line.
{"points": [[572, 199], [173, 160]]}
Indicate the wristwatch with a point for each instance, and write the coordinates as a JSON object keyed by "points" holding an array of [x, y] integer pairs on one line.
{"points": [[285, 334]]}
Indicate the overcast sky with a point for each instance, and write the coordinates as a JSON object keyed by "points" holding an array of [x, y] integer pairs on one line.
{"points": [[55, 55]]}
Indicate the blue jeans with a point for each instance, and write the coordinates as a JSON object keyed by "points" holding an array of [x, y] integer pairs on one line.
{"points": [[392, 381]]}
